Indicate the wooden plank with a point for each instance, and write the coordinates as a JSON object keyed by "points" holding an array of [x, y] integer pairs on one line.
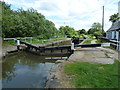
{"points": [[49, 54], [88, 45], [29, 45], [46, 48], [113, 41], [113, 44], [7, 39], [57, 48], [55, 54]]}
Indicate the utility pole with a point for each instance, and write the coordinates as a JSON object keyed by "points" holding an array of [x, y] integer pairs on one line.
{"points": [[103, 22], [64, 23]]}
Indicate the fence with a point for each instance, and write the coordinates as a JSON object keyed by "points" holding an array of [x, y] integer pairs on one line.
{"points": [[113, 43], [7, 39]]}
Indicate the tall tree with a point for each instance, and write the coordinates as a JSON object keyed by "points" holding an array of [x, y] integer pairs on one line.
{"points": [[96, 30], [67, 31], [23, 23], [6, 19], [83, 31], [114, 18]]}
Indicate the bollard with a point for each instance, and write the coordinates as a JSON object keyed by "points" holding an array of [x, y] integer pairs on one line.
{"points": [[72, 48], [18, 44]]}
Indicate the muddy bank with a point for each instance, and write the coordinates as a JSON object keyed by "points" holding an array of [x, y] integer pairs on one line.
{"points": [[51, 80], [56, 78]]}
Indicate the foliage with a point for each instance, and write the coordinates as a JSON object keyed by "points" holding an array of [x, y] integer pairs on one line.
{"points": [[67, 31], [98, 41], [87, 75], [97, 34], [29, 23], [96, 30], [114, 18], [83, 31]]}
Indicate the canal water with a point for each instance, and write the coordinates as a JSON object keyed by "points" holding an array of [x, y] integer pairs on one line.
{"points": [[26, 70]]}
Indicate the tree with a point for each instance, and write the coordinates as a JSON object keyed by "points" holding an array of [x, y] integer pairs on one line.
{"points": [[90, 31], [114, 18], [67, 31], [6, 19], [83, 31], [25, 23], [96, 30]]}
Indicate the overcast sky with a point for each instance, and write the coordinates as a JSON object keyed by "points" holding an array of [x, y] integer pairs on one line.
{"points": [[79, 14]]}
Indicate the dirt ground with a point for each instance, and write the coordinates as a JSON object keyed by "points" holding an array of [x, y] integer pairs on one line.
{"points": [[93, 55]]}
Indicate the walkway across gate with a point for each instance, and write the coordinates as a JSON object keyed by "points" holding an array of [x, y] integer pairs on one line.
{"points": [[49, 51]]}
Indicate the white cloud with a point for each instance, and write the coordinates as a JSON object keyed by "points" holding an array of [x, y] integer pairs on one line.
{"points": [[76, 13]]}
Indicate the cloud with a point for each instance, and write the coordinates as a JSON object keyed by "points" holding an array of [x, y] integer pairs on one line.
{"points": [[75, 13], [50, 7]]}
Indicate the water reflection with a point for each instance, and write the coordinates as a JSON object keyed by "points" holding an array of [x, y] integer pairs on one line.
{"points": [[25, 70]]}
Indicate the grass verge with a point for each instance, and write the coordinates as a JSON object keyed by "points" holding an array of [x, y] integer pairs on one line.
{"points": [[42, 41], [87, 75], [88, 41], [6, 43], [98, 41], [34, 41]]}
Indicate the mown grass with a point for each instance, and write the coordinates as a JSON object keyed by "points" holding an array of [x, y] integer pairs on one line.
{"points": [[86, 75], [88, 41], [6, 43], [98, 41], [42, 41]]}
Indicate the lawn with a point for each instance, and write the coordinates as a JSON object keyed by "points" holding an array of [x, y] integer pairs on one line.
{"points": [[42, 41], [98, 41], [87, 75], [6, 43], [88, 41]]}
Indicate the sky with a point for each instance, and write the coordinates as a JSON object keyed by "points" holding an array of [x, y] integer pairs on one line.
{"points": [[79, 14]]}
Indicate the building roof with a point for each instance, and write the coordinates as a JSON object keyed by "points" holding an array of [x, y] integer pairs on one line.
{"points": [[115, 26]]}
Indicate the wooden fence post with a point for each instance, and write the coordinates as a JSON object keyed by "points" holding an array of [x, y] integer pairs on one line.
{"points": [[18, 44]]}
